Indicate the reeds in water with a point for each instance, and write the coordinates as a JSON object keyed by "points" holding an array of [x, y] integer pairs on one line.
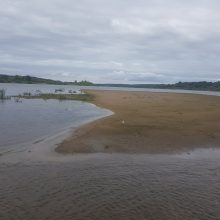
{"points": [[2, 94]]}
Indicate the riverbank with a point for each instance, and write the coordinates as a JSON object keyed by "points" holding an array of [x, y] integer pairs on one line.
{"points": [[146, 122]]}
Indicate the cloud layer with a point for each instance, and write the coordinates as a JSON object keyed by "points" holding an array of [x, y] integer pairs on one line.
{"points": [[119, 41]]}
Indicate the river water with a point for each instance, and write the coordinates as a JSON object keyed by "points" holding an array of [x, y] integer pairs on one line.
{"points": [[31, 120], [37, 183]]}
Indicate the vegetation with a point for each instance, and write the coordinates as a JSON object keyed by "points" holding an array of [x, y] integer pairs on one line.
{"points": [[211, 86], [36, 80], [208, 86], [78, 97], [2, 94]]}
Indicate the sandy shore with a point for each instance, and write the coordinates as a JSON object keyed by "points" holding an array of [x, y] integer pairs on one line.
{"points": [[146, 122]]}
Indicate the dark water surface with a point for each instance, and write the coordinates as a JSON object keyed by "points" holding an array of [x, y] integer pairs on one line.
{"points": [[114, 186]]}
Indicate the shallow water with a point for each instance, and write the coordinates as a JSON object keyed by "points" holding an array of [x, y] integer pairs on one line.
{"points": [[112, 186], [34, 120], [15, 89]]}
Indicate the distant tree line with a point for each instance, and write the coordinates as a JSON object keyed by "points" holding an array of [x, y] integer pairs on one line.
{"points": [[204, 85], [208, 86], [36, 80]]}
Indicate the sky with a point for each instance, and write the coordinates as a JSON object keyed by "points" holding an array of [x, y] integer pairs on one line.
{"points": [[111, 41]]}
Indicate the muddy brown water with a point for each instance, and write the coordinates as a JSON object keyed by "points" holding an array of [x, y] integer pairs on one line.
{"points": [[112, 186]]}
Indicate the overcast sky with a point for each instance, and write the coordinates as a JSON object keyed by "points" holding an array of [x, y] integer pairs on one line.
{"points": [[116, 41]]}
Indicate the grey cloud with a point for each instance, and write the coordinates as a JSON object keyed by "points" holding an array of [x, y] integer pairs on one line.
{"points": [[120, 41]]}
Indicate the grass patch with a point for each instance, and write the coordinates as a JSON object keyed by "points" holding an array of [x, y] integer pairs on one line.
{"points": [[2, 94], [78, 97]]}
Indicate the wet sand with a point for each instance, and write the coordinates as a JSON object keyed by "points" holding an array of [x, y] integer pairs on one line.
{"points": [[145, 122]]}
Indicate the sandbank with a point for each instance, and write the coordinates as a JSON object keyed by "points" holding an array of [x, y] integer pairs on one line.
{"points": [[148, 122]]}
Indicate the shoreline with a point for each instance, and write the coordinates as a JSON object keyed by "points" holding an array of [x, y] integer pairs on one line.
{"points": [[148, 122], [42, 145], [43, 149]]}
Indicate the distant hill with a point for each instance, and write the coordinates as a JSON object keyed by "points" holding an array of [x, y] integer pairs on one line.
{"points": [[208, 86], [36, 80]]}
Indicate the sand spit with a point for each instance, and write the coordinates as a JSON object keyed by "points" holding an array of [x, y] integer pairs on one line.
{"points": [[147, 122]]}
